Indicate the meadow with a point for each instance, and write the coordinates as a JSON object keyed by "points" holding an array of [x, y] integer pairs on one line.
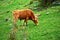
{"points": [[49, 22]]}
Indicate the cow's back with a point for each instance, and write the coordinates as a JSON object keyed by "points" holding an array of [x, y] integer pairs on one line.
{"points": [[23, 14]]}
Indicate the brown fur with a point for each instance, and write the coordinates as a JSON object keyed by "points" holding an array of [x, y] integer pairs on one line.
{"points": [[24, 15]]}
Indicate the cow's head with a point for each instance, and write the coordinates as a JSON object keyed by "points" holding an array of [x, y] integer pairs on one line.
{"points": [[36, 19]]}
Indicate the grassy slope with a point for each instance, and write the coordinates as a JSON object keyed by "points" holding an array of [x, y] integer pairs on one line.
{"points": [[48, 28]]}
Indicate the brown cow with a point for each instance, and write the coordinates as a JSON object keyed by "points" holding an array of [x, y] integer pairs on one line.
{"points": [[25, 15]]}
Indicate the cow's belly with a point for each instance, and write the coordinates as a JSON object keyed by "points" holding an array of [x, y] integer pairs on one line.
{"points": [[23, 18]]}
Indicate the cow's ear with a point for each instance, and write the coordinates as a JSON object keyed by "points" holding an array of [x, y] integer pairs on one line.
{"points": [[37, 15]]}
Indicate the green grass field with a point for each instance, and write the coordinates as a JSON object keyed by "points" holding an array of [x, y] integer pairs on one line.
{"points": [[48, 28]]}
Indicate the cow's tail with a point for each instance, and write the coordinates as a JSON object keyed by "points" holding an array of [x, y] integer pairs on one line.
{"points": [[14, 19]]}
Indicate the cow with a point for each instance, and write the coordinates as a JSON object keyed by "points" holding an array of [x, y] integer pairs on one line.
{"points": [[25, 15]]}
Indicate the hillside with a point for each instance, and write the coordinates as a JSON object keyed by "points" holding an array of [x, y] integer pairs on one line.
{"points": [[49, 22]]}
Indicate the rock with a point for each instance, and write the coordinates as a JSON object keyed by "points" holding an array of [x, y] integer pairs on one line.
{"points": [[56, 2]]}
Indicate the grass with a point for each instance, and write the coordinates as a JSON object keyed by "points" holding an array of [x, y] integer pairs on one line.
{"points": [[48, 28]]}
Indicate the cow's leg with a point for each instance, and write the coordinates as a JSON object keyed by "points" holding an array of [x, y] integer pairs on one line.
{"points": [[20, 22], [25, 21], [15, 18]]}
